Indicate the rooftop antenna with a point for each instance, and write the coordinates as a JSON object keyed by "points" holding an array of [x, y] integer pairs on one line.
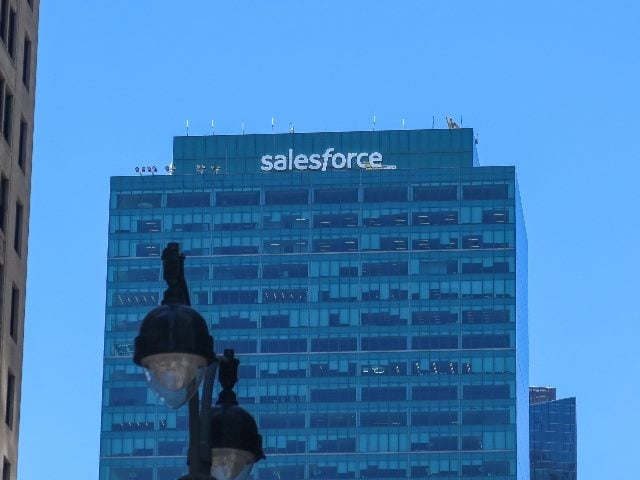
{"points": [[242, 127], [451, 123], [291, 128], [374, 122], [213, 127], [433, 121], [273, 122], [187, 128]]}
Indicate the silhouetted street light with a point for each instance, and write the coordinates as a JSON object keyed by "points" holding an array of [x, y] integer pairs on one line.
{"points": [[176, 351]]}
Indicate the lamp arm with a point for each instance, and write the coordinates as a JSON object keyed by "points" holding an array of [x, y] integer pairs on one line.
{"points": [[205, 413], [173, 274]]}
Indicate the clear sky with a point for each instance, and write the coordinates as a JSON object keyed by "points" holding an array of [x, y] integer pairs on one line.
{"points": [[550, 86]]}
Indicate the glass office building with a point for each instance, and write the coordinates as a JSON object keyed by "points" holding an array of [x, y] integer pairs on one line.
{"points": [[373, 285], [553, 435]]}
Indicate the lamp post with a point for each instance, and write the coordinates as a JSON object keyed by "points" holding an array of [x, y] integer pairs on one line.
{"points": [[176, 351]]}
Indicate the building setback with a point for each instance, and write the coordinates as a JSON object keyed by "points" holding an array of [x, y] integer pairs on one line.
{"points": [[18, 46], [553, 438], [373, 285]]}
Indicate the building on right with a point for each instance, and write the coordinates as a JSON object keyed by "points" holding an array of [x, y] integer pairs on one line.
{"points": [[553, 435]]}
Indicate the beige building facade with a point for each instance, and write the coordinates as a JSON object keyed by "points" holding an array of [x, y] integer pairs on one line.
{"points": [[18, 46]]}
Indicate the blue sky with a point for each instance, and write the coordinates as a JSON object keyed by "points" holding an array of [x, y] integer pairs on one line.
{"points": [[551, 87]]}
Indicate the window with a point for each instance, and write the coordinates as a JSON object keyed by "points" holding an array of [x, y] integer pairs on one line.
{"points": [[10, 400], [227, 297], [11, 34], [335, 220], [485, 417], [435, 342], [495, 216], [235, 272], [149, 226], [386, 194], [236, 321], [425, 419], [336, 195], [485, 192], [384, 370], [380, 318], [148, 250], [434, 218], [286, 295], [345, 344], [435, 193], [15, 311], [22, 145], [383, 419], [485, 316], [383, 344], [4, 14], [139, 275], [7, 115], [382, 269], [332, 420], [6, 470], [275, 321], [383, 394], [286, 270], [333, 395], [336, 245], [26, 63], [188, 199], [485, 392], [144, 200], [283, 345], [391, 220], [17, 238], [435, 393], [485, 341], [128, 396], [4, 195], [286, 197], [229, 199]]}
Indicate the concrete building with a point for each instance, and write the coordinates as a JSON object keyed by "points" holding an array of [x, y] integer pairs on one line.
{"points": [[372, 284], [18, 47]]}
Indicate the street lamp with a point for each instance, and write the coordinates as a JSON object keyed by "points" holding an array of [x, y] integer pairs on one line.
{"points": [[176, 351]]}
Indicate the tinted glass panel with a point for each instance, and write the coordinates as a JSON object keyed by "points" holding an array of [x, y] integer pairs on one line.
{"points": [[336, 195], [386, 194], [189, 199], [286, 197], [237, 198], [435, 193], [485, 192]]}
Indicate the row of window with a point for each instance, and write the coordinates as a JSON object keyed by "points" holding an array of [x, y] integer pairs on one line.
{"points": [[140, 396], [325, 220], [131, 323], [473, 289], [268, 471], [467, 265], [376, 194], [350, 344], [441, 366]]}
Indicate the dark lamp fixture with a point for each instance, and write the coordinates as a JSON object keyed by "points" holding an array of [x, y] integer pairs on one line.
{"points": [[235, 442], [173, 346]]}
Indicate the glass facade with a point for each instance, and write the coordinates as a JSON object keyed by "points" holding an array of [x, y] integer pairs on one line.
{"points": [[373, 285], [553, 436]]}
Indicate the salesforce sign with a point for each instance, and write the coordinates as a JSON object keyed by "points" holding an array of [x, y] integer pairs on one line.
{"points": [[315, 161]]}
